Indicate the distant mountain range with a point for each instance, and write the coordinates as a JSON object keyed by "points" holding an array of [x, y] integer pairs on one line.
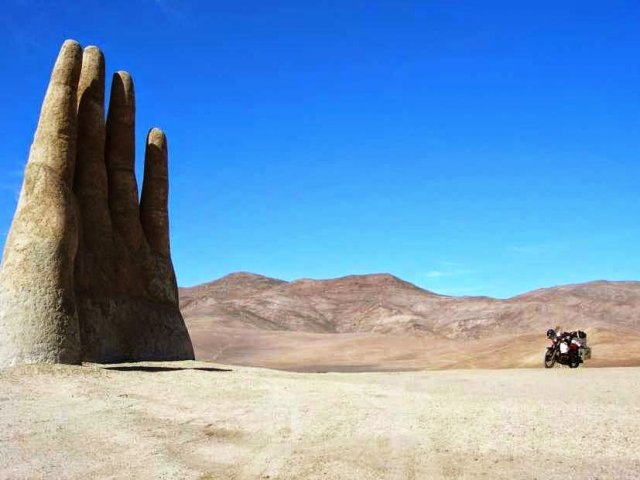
{"points": [[378, 321]]}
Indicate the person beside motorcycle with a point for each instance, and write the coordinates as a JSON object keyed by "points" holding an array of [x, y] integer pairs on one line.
{"points": [[555, 335]]}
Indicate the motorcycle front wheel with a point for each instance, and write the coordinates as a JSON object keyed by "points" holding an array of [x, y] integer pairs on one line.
{"points": [[574, 361], [549, 359]]}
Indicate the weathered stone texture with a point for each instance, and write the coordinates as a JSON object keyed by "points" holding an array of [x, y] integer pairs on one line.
{"points": [[87, 272]]}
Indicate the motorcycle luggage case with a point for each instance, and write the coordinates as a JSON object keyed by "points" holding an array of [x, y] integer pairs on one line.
{"points": [[580, 336], [585, 353]]}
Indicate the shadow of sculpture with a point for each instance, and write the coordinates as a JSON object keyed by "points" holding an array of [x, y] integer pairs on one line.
{"points": [[143, 368]]}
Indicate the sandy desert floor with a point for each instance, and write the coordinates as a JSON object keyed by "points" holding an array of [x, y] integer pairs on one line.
{"points": [[373, 352], [192, 420]]}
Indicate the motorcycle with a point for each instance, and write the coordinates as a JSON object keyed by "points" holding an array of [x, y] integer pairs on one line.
{"points": [[566, 349]]}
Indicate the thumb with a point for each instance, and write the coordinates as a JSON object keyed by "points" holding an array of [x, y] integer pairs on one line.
{"points": [[54, 143], [38, 321]]}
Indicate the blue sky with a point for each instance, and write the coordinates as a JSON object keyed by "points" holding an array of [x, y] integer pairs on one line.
{"points": [[471, 147]]}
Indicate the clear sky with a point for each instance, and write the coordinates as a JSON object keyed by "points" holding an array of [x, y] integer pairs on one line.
{"points": [[471, 147]]}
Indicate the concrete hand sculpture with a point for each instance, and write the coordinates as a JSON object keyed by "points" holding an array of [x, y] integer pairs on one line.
{"points": [[86, 272]]}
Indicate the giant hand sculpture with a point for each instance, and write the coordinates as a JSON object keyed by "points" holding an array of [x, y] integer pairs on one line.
{"points": [[86, 273]]}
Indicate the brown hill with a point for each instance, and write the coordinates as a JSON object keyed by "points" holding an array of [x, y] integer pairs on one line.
{"points": [[373, 322]]}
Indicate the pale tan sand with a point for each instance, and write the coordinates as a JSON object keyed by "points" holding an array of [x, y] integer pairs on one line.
{"points": [[92, 422]]}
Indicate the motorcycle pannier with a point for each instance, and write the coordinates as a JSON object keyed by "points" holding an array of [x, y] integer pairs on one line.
{"points": [[581, 337]]}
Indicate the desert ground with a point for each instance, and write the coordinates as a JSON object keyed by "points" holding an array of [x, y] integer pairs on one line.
{"points": [[373, 352], [197, 420]]}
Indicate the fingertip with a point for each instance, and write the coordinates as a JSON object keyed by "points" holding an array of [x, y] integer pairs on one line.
{"points": [[70, 50], [92, 54], [67, 67], [92, 74], [157, 137], [123, 78], [122, 87], [70, 44], [122, 101]]}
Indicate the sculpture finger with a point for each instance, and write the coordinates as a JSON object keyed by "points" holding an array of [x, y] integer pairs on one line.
{"points": [[38, 320], [120, 160], [54, 143], [90, 183], [154, 213]]}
